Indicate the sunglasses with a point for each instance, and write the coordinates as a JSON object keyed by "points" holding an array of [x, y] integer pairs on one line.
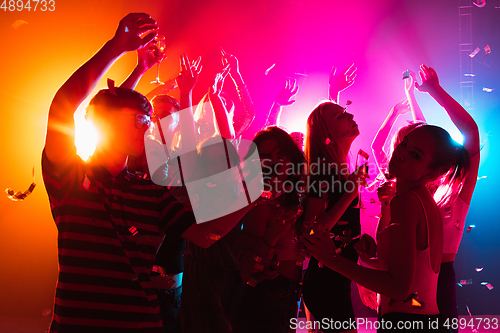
{"points": [[142, 120]]}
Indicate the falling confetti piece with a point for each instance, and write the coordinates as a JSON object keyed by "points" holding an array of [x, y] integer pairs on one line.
{"points": [[469, 74], [348, 102], [133, 230], [20, 196], [465, 282], [363, 154], [300, 74], [480, 3], [459, 284], [46, 312], [266, 194], [488, 89], [489, 286], [475, 330], [479, 269], [476, 51], [468, 310], [18, 23], [469, 229], [482, 177], [269, 69], [487, 50], [484, 283], [214, 237], [406, 74], [416, 304]]}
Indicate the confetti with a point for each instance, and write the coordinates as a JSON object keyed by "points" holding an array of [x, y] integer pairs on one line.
{"points": [[18, 23], [86, 183], [214, 237], [269, 69], [459, 285], [416, 304], [482, 177], [363, 154], [469, 74], [465, 282], [406, 74], [266, 194], [484, 283], [46, 312], [489, 286], [480, 3], [476, 51], [488, 89], [348, 102], [468, 310], [479, 269], [252, 282], [469, 229], [133, 230], [487, 50], [20, 196]]}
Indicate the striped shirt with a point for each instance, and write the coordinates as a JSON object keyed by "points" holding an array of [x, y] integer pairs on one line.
{"points": [[109, 229]]}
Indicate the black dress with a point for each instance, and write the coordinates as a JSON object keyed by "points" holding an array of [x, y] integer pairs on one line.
{"points": [[327, 294]]}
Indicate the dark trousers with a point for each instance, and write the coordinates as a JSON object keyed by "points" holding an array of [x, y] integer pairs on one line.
{"points": [[327, 294], [266, 308], [170, 309], [447, 293]]}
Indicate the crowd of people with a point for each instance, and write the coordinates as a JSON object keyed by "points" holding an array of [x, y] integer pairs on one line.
{"points": [[176, 224]]}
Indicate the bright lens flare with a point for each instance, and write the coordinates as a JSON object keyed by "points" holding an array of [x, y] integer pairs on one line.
{"points": [[86, 137]]}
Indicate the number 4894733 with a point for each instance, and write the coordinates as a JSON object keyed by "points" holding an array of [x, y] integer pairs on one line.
{"points": [[20, 5]]}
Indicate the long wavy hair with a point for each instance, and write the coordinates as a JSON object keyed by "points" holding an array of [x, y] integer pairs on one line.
{"points": [[289, 147], [450, 159], [321, 146]]}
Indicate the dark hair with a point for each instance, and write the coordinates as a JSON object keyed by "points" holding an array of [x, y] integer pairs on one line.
{"points": [[401, 133], [287, 145], [166, 99], [234, 158], [231, 153], [105, 101], [450, 159]]}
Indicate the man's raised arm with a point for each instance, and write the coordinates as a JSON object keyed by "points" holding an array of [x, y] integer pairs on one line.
{"points": [[59, 141]]}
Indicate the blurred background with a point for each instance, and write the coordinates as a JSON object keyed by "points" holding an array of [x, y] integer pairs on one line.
{"points": [[304, 39]]}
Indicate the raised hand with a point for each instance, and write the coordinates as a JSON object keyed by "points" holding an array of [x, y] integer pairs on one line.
{"points": [[147, 59], [430, 81], [218, 84], [189, 73], [343, 80], [402, 107], [285, 95], [131, 28], [232, 61], [410, 82]]}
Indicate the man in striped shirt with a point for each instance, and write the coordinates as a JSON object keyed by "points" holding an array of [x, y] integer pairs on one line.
{"points": [[110, 222]]}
